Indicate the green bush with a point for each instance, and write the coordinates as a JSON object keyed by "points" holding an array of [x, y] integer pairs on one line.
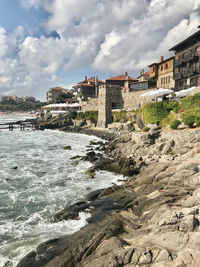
{"points": [[174, 124], [120, 116], [145, 129], [156, 112], [191, 102], [195, 112], [189, 120], [167, 121], [88, 115]]}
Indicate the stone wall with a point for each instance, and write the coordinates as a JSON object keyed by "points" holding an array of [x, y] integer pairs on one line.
{"points": [[89, 105], [133, 100]]}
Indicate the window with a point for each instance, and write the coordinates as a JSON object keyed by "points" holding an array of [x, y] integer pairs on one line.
{"points": [[168, 79], [161, 80], [166, 66], [161, 67]]}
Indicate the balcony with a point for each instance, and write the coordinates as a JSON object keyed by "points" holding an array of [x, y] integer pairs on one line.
{"points": [[186, 73], [177, 76], [178, 62], [189, 57]]}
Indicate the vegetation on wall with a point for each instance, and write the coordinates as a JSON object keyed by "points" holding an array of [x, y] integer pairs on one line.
{"points": [[88, 115], [120, 116]]}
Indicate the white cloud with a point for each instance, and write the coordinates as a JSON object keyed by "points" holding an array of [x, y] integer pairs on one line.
{"points": [[113, 36]]}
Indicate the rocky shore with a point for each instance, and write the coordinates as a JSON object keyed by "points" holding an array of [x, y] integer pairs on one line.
{"points": [[152, 219]]}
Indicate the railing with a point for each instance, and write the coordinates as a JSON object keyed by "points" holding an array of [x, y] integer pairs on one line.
{"points": [[22, 125], [190, 56]]}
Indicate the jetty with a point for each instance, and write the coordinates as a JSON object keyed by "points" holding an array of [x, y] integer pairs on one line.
{"points": [[22, 125]]}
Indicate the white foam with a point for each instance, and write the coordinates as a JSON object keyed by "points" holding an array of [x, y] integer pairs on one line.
{"points": [[44, 182]]}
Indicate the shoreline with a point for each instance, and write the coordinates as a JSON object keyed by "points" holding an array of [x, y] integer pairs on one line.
{"points": [[137, 219]]}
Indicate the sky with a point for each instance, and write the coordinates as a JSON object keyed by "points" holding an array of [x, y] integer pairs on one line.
{"points": [[47, 43]]}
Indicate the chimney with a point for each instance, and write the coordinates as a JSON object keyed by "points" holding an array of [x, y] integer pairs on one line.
{"points": [[161, 59], [85, 78], [126, 73]]}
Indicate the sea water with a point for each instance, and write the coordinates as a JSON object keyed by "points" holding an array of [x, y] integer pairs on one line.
{"points": [[37, 179]]}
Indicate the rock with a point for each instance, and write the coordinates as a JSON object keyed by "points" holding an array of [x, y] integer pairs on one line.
{"points": [[166, 149], [81, 123], [71, 212], [188, 223], [67, 147], [93, 195], [62, 252], [140, 123], [144, 138], [146, 257], [90, 156], [15, 168], [127, 137], [129, 127]]}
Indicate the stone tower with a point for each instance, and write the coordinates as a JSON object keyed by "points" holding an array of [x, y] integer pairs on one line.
{"points": [[104, 106]]}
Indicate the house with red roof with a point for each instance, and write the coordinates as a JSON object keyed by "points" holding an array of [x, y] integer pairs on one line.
{"points": [[88, 88], [122, 80]]}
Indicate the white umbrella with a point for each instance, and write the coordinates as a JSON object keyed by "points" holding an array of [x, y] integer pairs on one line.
{"points": [[185, 92], [162, 92]]}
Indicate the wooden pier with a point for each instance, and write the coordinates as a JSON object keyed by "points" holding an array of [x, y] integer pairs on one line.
{"points": [[22, 125]]}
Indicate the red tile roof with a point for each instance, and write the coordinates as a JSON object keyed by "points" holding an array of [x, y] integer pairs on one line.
{"points": [[121, 77], [92, 80]]}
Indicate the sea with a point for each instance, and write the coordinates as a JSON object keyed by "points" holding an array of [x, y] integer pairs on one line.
{"points": [[37, 179]]}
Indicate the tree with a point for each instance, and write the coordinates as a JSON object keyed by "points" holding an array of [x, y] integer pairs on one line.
{"points": [[62, 97]]}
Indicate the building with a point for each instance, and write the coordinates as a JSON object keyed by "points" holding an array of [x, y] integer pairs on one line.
{"points": [[121, 80], [153, 70], [162, 73], [165, 74], [88, 88], [144, 76], [53, 94], [28, 99], [187, 62]]}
